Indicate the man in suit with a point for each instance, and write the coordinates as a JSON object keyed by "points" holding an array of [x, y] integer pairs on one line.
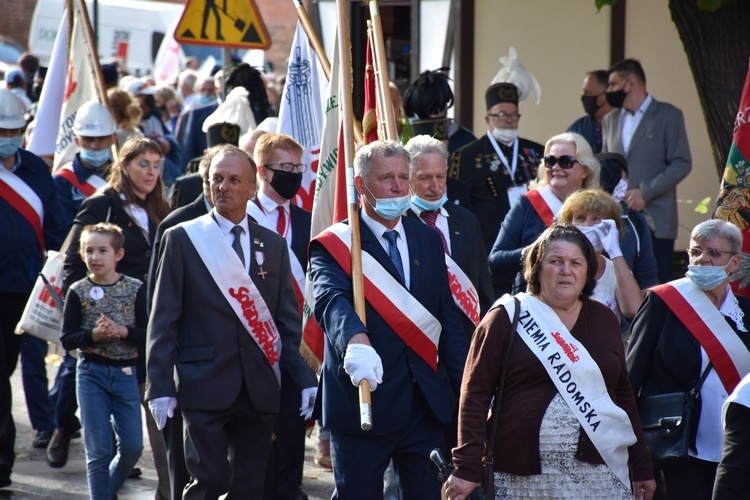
{"points": [[458, 228], [413, 396], [280, 169], [225, 320], [652, 137], [194, 137]]}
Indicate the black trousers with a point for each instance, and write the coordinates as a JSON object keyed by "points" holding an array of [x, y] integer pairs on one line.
{"points": [[11, 308], [690, 479]]}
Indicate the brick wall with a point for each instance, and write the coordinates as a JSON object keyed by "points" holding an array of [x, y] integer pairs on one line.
{"points": [[16, 18]]}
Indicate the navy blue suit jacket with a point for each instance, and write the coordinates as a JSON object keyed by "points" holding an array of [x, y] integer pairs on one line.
{"points": [[403, 370]]}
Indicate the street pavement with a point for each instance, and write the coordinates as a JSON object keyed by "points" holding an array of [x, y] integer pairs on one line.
{"points": [[34, 479]]}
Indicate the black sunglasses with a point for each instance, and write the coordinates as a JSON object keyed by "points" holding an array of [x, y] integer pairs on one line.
{"points": [[565, 161]]}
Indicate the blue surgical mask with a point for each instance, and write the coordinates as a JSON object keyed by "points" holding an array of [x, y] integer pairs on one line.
{"points": [[706, 277], [423, 204], [9, 146], [96, 158], [390, 208], [205, 100]]}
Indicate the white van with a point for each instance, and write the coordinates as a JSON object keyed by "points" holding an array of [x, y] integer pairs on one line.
{"points": [[131, 29]]}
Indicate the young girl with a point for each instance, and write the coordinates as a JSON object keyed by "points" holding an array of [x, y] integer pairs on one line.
{"points": [[105, 319]]}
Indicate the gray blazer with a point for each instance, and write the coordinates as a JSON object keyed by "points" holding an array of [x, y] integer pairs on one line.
{"points": [[658, 159], [195, 332]]}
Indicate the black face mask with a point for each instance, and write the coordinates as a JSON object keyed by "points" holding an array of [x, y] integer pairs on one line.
{"points": [[617, 98], [589, 104], [286, 183]]}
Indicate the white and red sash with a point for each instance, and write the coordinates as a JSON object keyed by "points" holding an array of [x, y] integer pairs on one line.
{"points": [[464, 294], [544, 203], [703, 320], [297, 272], [24, 200], [88, 187], [406, 316], [577, 378], [235, 284]]}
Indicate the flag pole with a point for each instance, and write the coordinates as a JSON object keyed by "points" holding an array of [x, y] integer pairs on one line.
{"points": [[381, 70], [317, 46], [358, 290]]}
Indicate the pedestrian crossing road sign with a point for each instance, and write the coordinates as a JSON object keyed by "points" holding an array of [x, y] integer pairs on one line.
{"points": [[223, 23]]}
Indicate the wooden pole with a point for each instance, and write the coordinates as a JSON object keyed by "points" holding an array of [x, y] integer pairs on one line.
{"points": [[381, 70], [358, 289]]}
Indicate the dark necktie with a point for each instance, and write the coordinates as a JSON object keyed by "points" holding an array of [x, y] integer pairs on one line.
{"points": [[430, 217], [393, 252], [237, 243], [281, 221]]}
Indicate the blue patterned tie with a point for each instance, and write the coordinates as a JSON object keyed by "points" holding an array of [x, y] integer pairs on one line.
{"points": [[393, 252]]}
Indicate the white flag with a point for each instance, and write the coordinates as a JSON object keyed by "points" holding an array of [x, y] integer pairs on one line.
{"points": [[301, 109], [82, 84], [43, 136], [167, 63]]}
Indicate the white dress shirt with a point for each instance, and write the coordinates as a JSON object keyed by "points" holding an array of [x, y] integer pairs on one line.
{"points": [[226, 227], [630, 122], [379, 229]]}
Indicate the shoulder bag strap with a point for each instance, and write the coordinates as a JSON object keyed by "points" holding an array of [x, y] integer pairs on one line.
{"points": [[490, 453]]}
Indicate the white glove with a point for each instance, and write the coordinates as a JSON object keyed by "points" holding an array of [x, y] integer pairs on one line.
{"points": [[308, 402], [610, 237], [161, 409], [362, 362]]}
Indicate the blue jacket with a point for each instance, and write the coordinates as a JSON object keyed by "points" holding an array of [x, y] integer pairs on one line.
{"points": [[69, 197], [586, 126], [404, 372], [21, 259]]}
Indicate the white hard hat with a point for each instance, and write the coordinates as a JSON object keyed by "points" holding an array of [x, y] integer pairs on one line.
{"points": [[11, 110], [93, 119]]}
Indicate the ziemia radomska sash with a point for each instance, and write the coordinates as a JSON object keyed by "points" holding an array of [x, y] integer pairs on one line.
{"points": [[235, 284], [24, 200], [464, 294], [88, 187], [725, 349], [406, 316], [577, 378], [545, 203]]}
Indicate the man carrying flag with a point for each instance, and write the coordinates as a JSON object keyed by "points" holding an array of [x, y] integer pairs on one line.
{"points": [[28, 223], [411, 320], [280, 171], [733, 204]]}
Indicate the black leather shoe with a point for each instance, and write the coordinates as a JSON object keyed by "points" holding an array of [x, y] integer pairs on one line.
{"points": [[57, 451], [42, 438]]}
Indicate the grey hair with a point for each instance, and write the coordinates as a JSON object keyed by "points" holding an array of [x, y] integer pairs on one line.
{"points": [[423, 145], [187, 77], [717, 228], [584, 155], [363, 158]]}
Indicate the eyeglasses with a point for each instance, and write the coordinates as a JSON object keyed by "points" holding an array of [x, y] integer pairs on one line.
{"points": [[505, 116], [287, 167], [712, 253], [566, 161]]}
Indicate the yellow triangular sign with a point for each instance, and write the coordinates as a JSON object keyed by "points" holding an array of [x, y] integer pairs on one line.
{"points": [[227, 23]]}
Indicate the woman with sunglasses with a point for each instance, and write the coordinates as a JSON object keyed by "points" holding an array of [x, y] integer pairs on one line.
{"points": [[691, 329], [569, 165]]}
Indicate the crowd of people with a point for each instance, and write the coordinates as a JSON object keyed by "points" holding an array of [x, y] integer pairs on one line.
{"points": [[520, 311]]}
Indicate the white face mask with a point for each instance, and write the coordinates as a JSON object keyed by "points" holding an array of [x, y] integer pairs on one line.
{"points": [[592, 234], [505, 135], [619, 192]]}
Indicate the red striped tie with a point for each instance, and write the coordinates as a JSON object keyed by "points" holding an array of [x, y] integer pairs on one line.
{"points": [[430, 217]]}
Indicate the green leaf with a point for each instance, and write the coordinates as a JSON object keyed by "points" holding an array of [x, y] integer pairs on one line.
{"points": [[702, 206], [601, 3]]}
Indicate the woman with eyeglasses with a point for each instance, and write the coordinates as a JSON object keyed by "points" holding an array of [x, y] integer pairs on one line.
{"points": [[569, 165], [687, 331]]}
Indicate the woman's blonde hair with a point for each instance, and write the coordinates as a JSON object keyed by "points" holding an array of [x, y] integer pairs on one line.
{"points": [[591, 201], [126, 112], [583, 154]]}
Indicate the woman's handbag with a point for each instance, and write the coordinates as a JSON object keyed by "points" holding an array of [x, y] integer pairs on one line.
{"points": [[488, 478], [668, 421]]}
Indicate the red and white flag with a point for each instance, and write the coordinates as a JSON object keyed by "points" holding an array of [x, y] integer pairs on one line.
{"points": [[167, 63], [301, 112]]}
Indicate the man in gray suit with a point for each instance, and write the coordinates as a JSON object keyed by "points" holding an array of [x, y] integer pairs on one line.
{"points": [[652, 136], [224, 323]]}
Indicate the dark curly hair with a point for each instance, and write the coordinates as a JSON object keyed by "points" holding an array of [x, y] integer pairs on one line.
{"points": [[244, 75], [532, 266]]}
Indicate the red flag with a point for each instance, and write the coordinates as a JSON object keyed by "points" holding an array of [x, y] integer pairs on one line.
{"points": [[733, 204], [369, 117]]}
